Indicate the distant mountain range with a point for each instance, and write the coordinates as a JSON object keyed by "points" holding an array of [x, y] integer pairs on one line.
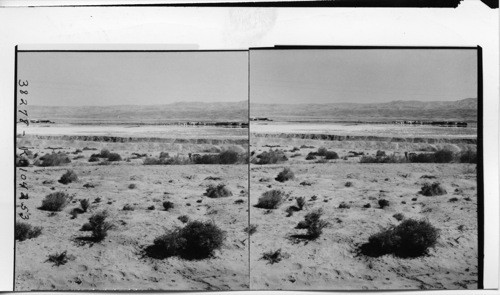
{"points": [[154, 114], [460, 110]]}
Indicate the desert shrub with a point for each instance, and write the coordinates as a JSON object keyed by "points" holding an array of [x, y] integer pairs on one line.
{"points": [[251, 229], [131, 186], [104, 153], [58, 258], [344, 205], [296, 155], [306, 183], [311, 156], [411, 238], [54, 159], [68, 177], [77, 151], [183, 218], [228, 157], [383, 159], [468, 157], [98, 226], [452, 200], [321, 161], [78, 157], [168, 205], [22, 161], [271, 199], [271, 157], [219, 191], [313, 223], [348, 184], [104, 163], [164, 155], [85, 204], [301, 201], [272, 257], [322, 151], [398, 216], [128, 207], [93, 158], [380, 153], [155, 161], [285, 175], [367, 205], [24, 231], [383, 203], [294, 149], [197, 240], [113, 157], [207, 159], [152, 207], [443, 156], [434, 189], [89, 149], [55, 201], [329, 155]]}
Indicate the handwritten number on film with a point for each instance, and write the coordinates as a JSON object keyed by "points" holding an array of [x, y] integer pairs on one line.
{"points": [[23, 186]]}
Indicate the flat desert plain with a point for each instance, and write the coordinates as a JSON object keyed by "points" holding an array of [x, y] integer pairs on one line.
{"points": [[348, 193], [133, 195]]}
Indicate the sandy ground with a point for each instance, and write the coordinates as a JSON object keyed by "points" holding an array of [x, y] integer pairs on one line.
{"points": [[118, 263], [332, 261]]}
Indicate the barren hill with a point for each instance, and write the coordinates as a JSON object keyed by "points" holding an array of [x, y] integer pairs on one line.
{"points": [[460, 110]]}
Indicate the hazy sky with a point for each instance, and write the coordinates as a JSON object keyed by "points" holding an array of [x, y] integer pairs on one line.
{"points": [[110, 78], [363, 76]]}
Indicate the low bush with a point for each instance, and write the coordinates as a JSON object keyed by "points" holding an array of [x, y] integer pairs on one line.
{"points": [[383, 203], [313, 223], [113, 157], [271, 199], [162, 155], [54, 159], [55, 201], [272, 257], [398, 216], [22, 161], [322, 151], [380, 153], [434, 189], [197, 240], [228, 157], [367, 205], [131, 186], [85, 204], [68, 177], [344, 205], [440, 156], [301, 201], [128, 207], [183, 218], [468, 157], [219, 191], [411, 238], [152, 207], [93, 158], [383, 159], [285, 175], [24, 231], [329, 155], [271, 157], [98, 226], [168, 205], [311, 156], [453, 200], [348, 184]]}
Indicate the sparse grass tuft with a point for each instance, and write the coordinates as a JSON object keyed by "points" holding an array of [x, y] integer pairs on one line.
{"points": [[24, 231], [58, 258], [411, 238], [271, 199], [251, 229], [68, 177], [55, 201], [272, 257], [434, 189], [219, 191], [285, 175]]}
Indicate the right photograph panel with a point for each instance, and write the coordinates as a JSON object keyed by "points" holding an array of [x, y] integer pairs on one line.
{"points": [[363, 168]]}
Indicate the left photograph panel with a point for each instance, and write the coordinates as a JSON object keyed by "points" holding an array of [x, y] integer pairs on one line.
{"points": [[131, 170]]}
